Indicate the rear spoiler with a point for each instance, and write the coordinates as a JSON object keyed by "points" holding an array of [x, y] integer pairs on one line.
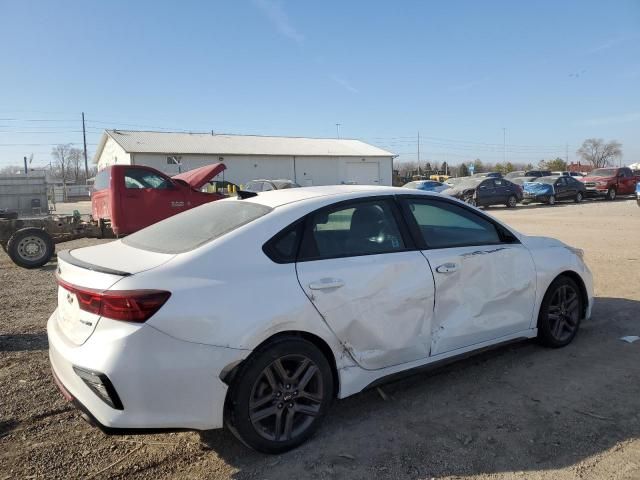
{"points": [[65, 255]]}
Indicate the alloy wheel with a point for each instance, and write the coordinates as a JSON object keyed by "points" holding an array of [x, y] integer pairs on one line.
{"points": [[286, 398], [579, 197], [564, 312], [552, 200]]}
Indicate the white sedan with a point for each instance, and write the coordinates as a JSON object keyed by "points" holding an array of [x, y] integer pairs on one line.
{"points": [[256, 312]]}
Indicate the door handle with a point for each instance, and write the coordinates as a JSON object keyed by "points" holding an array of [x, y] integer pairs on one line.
{"points": [[325, 283], [447, 268]]}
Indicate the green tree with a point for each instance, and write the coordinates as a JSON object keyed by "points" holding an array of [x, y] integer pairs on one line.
{"points": [[528, 166], [463, 170], [557, 164], [509, 167], [478, 166], [444, 168]]}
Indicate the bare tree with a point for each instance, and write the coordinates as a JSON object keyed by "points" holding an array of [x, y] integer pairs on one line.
{"points": [[11, 170], [76, 159], [598, 153], [62, 160]]}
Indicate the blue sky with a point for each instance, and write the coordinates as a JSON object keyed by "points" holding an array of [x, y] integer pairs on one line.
{"points": [[552, 73]]}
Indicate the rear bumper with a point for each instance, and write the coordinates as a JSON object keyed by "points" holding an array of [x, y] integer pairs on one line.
{"points": [[163, 383]]}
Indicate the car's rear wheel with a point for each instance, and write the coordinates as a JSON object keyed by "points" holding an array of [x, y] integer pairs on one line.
{"points": [[560, 313], [552, 200], [280, 396], [611, 194], [512, 201], [579, 197]]}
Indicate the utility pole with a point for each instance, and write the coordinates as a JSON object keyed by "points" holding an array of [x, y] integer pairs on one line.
{"points": [[84, 138], [504, 145], [418, 152], [26, 170], [337, 130], [566, 154]]}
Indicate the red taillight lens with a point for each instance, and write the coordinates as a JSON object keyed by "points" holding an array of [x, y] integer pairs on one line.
{"points": [[127, 305]]}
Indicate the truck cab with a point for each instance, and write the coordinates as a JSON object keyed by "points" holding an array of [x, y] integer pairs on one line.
{"points": [[127, 198], [610, 182]]}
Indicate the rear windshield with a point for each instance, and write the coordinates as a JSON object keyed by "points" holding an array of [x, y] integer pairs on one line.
{"points": [[102, 180], [193, 228]]}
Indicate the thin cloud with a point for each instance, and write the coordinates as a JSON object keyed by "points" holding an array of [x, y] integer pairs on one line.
{"points": [[611, 120], [344, 83], [278, 17], [468, 85], [610, 43]]}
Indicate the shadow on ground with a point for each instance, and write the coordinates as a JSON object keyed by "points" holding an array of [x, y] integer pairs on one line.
{"points": [[23, 342], [517, 408]]}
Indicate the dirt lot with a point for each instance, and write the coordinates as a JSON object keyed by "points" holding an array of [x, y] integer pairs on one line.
{"points": [[518, 412]]}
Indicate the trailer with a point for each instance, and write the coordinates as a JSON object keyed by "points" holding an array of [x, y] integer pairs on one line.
{"points": [[30, 242]]}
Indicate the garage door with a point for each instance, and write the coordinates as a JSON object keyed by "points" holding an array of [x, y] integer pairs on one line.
{"points": [[363, 173]]}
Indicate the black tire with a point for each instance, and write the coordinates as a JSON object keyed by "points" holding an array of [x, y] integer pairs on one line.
{"points": [[559, 317], [611, 194], [551, 200], [30, 247], [512, 201], [284, 415], [579, 197]]}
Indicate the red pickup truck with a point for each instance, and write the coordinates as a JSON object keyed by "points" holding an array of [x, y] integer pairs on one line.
{"points": [[130, 197], [610, 182]]}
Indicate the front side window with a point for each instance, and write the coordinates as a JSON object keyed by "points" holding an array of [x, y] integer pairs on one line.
{"points": [[101, 181], [139, 178], [445, 225], [361, 228]]}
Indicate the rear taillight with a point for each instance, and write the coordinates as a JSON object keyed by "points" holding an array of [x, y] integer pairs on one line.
{"points": [[127, 305]]}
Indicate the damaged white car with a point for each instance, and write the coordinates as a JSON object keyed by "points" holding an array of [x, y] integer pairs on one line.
{"points": [[256, 312]]}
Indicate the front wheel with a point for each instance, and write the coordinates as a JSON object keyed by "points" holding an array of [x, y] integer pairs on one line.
{"points": [[579, 197], [611, 194], [560, 313], [552, 200], [30, 247], [512, 201], [280, 396]]}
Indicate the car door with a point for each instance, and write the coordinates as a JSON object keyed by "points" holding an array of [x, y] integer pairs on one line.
{"points": [[486, 193], [625, 181], [373, 288], [560, 187], [148, 197], [502, 191], [484, 277]]}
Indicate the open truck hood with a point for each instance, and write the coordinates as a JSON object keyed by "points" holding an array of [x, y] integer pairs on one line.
{"points": [[198, 177]]}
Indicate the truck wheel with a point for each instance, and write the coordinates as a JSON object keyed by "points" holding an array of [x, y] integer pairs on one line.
{"points": [[30, 247], [611, 194]]}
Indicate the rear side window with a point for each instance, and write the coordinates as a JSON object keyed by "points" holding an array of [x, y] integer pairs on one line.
{"points": [[102, 180], [445, 225], [193, 228], [360, 228], [140, 178]]}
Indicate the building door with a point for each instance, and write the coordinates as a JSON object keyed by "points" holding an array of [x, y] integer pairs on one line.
{"points": [[363, 173]]}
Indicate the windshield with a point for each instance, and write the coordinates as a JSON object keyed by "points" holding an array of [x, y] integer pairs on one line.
{"points": [[193, 228], [550, 180], [604, 172]]}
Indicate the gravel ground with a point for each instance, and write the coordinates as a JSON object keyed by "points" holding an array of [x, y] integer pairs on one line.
{"points": [[517, 412]]}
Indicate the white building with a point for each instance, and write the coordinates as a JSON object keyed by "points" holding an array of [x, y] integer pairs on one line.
{"points": [[307, 161]]}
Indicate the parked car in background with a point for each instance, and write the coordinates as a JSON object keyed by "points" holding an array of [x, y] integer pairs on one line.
{"points": [[427, 186], [131, 197], [521, 180], [452, 181], [553, 188], [439, 178], [487, 174], [267, 185], [486, 191], [610, 182], [570, 174], [148, 334], [515, 174], [537, 173]]}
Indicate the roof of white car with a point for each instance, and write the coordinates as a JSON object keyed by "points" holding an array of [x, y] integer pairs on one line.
{"points": [[275, 198]]}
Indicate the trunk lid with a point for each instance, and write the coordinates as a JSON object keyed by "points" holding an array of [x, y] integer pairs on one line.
{"points": [[198, 177], [95, 268]]}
